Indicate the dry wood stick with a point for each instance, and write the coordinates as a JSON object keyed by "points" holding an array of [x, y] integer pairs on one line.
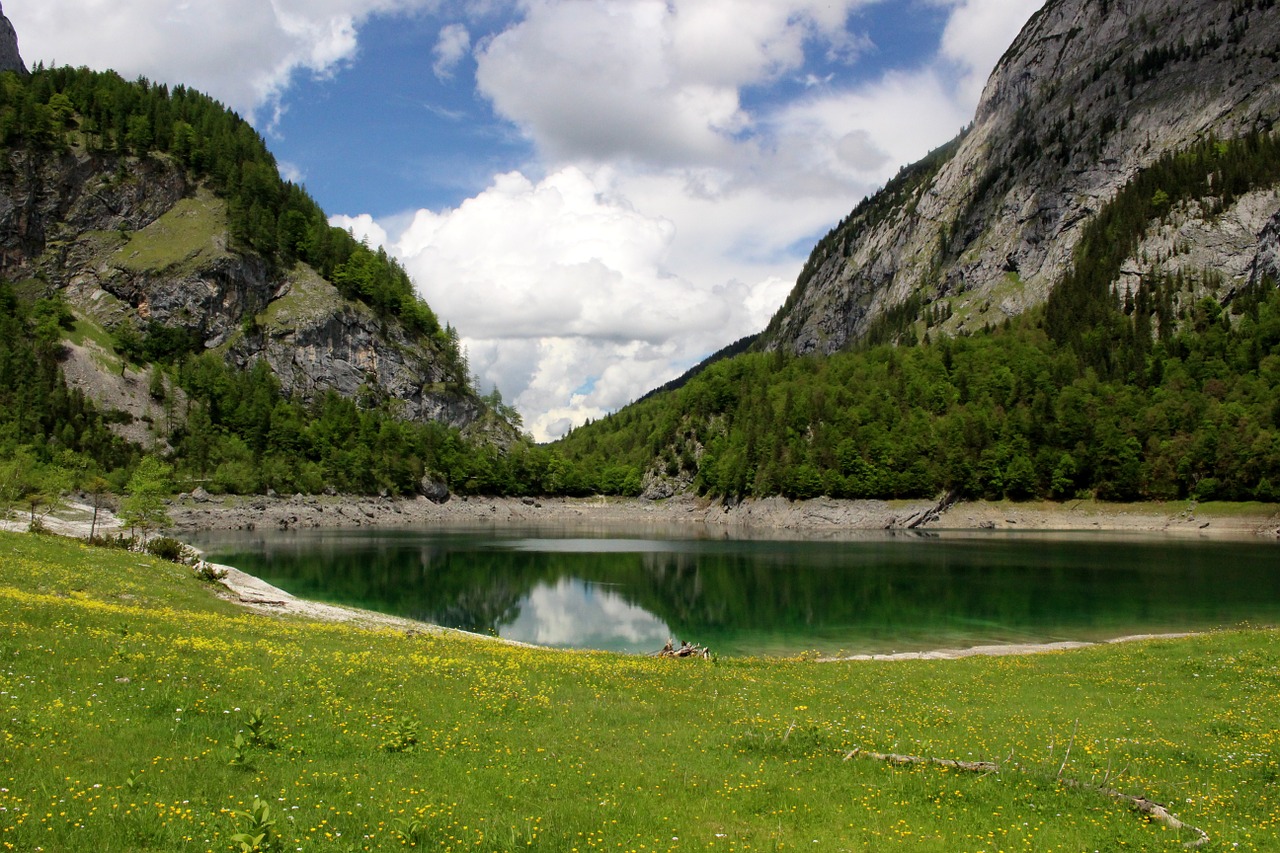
{"points": [[1150, 808]]}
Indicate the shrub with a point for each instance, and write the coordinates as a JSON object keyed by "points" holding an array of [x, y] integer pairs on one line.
{"points": [[168, 548]]}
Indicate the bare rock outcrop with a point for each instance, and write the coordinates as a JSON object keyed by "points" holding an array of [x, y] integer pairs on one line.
{"points": [[1090, 93], [10, 59]]}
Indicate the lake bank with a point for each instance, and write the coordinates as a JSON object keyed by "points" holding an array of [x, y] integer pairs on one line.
{"points": [[755, 518]]}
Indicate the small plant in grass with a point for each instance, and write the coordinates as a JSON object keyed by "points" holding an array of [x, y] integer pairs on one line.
{"points": [[240, 756], [257, 833], [120, 542], [402, 736], [255, 724], [410, 830], [168, 548]]}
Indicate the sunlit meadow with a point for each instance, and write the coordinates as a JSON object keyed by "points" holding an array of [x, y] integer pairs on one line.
{"points": [[138, 711]]}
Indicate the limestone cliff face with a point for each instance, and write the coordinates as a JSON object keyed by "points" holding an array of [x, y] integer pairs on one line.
{"points": [[1091, 92], [134, 241], [10, 59]]}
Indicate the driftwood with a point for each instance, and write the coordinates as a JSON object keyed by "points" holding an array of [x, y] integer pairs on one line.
{"points": [[686, 650], [1150, 808], [262, 602]]}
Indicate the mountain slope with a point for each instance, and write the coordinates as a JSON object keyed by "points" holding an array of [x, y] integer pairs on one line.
{"points": [[1074, 298], [1091, 92], [161, 219]]}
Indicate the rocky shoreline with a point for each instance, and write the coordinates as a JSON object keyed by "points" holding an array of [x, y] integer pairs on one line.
{"points": [[756, 518]]}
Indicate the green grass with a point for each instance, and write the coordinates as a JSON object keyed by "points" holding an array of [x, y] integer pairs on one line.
{"points": [[124, 683], [309, 296], [87, 331], [1238, 509], [186, 237]]}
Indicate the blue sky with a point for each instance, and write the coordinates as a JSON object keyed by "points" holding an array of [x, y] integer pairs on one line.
{"points": [[596, 193]]}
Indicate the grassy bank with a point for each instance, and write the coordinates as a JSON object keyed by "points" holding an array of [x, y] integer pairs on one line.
{"points": [[127, 717]]}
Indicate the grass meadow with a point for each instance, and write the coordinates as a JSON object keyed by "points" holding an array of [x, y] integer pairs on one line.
{"points": [[140, 712]]}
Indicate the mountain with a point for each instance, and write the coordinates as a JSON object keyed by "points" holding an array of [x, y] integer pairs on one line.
{"points": [[162, 221], [10, 59], [1075, 298], [1090, 93], [164, 293]]}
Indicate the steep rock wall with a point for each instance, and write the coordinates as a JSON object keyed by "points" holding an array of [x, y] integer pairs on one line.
{"points": [[10, 59], [1091, 92]]}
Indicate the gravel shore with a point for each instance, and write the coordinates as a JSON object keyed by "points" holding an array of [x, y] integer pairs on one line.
{"points": [[761, 518]]}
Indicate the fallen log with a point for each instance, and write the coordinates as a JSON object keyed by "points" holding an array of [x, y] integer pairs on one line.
{"points": [[686, 650], [1144, 806], [262, 602]]}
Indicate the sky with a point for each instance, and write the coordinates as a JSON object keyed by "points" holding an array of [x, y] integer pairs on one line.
{"points": [[597, 194]]}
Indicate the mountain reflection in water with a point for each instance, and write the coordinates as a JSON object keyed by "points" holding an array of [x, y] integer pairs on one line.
{"points": [[631, 591]]}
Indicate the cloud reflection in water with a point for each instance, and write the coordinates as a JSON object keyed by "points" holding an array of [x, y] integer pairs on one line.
{"points": [[576, 613]]}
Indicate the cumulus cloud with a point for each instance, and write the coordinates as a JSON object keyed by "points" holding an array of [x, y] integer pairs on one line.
{"points": [[243, 52], [652, 80], [565, 292], [978, 32]]}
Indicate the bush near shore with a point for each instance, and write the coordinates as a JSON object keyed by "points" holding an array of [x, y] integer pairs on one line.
{"points": [[142, 712]]}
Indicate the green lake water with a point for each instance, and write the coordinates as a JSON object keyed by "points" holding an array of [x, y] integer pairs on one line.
{"points": [[631, 590]]}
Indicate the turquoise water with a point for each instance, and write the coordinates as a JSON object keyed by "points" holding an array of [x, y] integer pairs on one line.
{"points": [[631, 590]]}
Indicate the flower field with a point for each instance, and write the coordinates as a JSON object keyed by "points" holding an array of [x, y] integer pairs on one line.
{"points": [[140, 712]]}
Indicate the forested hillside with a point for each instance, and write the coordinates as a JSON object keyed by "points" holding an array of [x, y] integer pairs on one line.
{"points": [[1145, 394], [222, 427]]}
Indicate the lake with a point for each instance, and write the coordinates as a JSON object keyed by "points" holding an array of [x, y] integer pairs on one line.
{"points": [[629, 590]]}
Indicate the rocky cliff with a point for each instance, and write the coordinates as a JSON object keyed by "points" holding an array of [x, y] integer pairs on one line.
{"points": [[1090, 93], [132, 241], [10, 59]]}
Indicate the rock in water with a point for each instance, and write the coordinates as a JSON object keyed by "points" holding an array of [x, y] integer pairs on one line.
{"points": [[10, 59]]}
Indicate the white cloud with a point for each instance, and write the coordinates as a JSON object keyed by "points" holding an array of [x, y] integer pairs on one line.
{"points": [[565, 295], [582, 291], [452, 46], [861, 136], [291, 172], [243, 52], [363, 228], [977, 34], [651, 80]]}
